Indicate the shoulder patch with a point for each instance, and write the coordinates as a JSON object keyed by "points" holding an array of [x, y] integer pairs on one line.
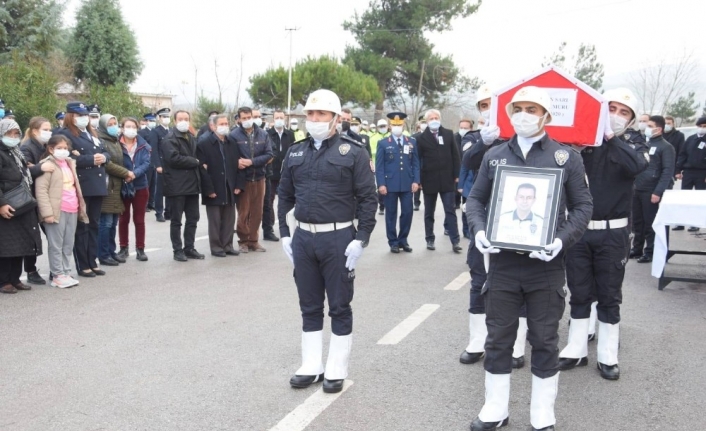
{"points": [[350, 140], [561, 157]]}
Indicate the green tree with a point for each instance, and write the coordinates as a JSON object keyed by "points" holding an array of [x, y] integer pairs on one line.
{"points": [[392, 48], [684, 109], [558, 58], [116, 100], [269, 88], [28, 87], [30, 27], [204, 105], [102, 47], [587, 68]]}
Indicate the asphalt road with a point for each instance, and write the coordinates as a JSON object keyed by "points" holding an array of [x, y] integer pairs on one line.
{"points": [[210, 345]]}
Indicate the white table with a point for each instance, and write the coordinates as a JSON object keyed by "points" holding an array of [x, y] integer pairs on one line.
{"points": [[677, 208]]}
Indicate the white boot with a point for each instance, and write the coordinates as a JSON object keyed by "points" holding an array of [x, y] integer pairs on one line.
{"points": [[497, 398], [311, 354], [338, 352], [577, 346], [518, 350], [479, 332], [592, 322], [543, 397], [608, 342]]}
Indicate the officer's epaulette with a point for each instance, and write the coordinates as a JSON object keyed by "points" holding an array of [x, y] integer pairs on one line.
{"points": [[301, 141], [351, 140]]}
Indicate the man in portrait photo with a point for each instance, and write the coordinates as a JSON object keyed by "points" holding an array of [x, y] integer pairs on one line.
{"points": [[521, 225]]}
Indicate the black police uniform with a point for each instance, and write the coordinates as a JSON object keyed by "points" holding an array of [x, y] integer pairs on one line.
{"points": [[514, 278], [657, 178], [155, 139], [326, 185], [595, 266]]}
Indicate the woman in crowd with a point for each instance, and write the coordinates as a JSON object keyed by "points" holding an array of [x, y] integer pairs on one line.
{"points": [[90, 158], [108, 132], [136, 158], [19, 233], [60, 206], [36, 137]]}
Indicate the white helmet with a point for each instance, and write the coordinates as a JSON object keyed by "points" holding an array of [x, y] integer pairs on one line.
{"points": [[624, 96], [323, 100], [531, 94], [483, 93], [382, 122]]}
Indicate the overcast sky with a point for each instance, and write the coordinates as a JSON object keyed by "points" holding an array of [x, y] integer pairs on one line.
{"points": [[504, 41]]}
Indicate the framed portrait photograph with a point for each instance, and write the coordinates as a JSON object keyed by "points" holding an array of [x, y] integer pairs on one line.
{"points": [[522, 212]]}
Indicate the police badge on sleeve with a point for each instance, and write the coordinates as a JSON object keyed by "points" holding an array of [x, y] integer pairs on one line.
{"points": [[561, 157], [344, 149]]}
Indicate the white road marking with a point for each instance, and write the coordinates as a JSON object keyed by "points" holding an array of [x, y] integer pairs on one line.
{"points": [[459, 281], [301, 417], [408, 325], [147, 250]]}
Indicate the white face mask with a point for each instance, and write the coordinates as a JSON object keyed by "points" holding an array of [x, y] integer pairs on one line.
{"points": [[94, 122], [434, 124], [295, 126], [81, 122], [422, 127], [44, 136], [183, 126], [701, 131], [382, 130], [642, 125], [397, 130], [257, 122], [319, 130], [151, 124], [648, 132], [165, 121], [339, 127], [10, 142], [222, 130], [129, 132], [355, 129], [247, 124], [486, 115], [618, 124], [61, 154], [526, 125], [463, 132], [668, 128], [279, 123]]}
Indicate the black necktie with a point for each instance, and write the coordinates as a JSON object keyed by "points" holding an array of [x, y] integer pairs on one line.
{"points": [[399, 143]]}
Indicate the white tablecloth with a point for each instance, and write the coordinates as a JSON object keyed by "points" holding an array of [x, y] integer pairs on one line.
{"points": [[678, 208]]}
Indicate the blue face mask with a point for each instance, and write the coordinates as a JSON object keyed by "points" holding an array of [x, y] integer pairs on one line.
{"points": [[2, 113], [113, 130]]}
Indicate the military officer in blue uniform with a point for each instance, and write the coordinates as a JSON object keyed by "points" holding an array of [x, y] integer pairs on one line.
{"points": [[59, 116], [397, 175], [155, 139]]}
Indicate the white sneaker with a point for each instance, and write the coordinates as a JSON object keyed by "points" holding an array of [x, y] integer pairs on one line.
{"points": [[72, 280], [61, 281]]}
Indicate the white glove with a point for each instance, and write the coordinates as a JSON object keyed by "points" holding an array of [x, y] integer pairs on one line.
{"points": [[607, 130], [353, 251], [554, 247], [463, 208], [489, 134], [287, 247], [467, 146], [483, 245]]}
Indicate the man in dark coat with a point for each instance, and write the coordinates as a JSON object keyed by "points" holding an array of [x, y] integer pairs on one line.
{"points": [[182, 185], [282, 138], [673, 136], [691, 163], [440, 167], [156, 136]]}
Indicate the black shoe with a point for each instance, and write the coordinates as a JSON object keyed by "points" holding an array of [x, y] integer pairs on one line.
{"points": [[301, 382], [549, 428], [457, 248], [566, 364], [97, 271], [167, 216], [634, 254], [518, 363], [591, 337], [644, 259], [446, 232], [416, 207], [141, 256], [479, 425], [609, 372], [109, 262], [693, 229], [218, 253], [471, 358], [118, 258], [270, 236], [430, 245], [148, 209], [381, 212], [88, 274], [123, 253], [35, 278], [233, 253], [406, 248], [160, 218], [193, 254], [333, 386], [678, 228], [179, 256], [395, 249]]}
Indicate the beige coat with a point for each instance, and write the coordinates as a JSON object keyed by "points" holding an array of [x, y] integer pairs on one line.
{"points": [[49, 188]]}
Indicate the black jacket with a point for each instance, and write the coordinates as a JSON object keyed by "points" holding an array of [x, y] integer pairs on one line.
{"points": [[257, 148], [221, 175], [33, 152], [279, 150], [440, 164], [92, 178], [364, 139], [155, 139], [180, 165], [659, 173], [676, 138], [692, 156]]}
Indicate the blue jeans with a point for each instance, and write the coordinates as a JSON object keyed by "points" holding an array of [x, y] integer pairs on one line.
{"points": [[106, 235]]}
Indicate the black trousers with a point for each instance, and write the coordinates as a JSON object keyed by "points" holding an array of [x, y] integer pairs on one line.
{"points": [[268, 210], [10, 270], [643, 214], [595, 269], [514, 279], [320, 272], [450, 219], [151, 176], [418, 198], [86, 238], [381, 201], [693, 180], [30, 262], [161, 205], [188, 206], [474, 259]]}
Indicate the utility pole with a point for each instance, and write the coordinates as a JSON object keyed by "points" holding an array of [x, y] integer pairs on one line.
{"points": [[289, 95], [419, 93]]}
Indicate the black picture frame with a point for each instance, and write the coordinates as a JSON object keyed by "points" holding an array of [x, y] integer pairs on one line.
{"points": [[516, 220]]}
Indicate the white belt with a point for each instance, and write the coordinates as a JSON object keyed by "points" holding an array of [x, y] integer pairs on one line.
{"points": [[607, 224], [323, 227]]}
